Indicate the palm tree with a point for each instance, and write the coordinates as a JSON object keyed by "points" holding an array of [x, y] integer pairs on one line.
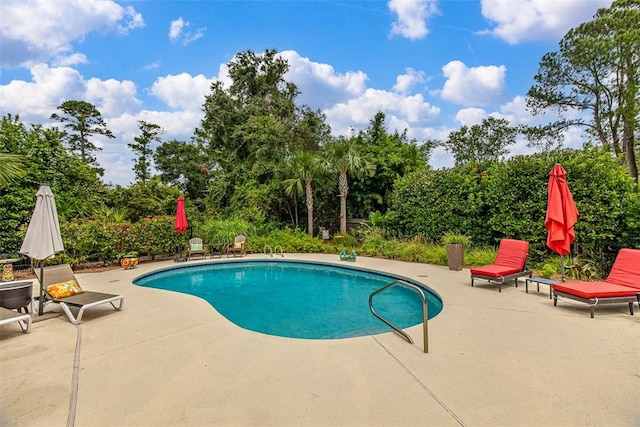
{"points": [[305, 166], [11, 168], [344, 157]]}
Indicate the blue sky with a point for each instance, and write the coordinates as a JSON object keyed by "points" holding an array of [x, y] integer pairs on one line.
{"points": [[430, 65]]}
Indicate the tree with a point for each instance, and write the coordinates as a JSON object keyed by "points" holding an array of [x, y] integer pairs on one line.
{"points": [[393, 155], [185, 165], [76, 187], [249, 127], [344, 157], [596, 70], [82, 121], [304, 168], [481, 144], [142, 146]]}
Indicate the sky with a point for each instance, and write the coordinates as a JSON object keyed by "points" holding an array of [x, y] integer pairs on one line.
{"points": [[431, 66]]}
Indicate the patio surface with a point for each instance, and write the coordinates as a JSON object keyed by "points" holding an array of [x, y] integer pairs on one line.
{"points": [[169, 359]]}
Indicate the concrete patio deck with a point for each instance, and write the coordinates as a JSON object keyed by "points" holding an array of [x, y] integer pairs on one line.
{"points": [[168, 359]]}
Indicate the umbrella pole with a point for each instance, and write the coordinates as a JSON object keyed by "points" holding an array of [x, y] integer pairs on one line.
{"points": [[562, 263], [41, 298]]}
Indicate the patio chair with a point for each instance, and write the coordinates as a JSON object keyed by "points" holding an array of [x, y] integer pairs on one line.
{"points": [[61, 287], [10, 316], [196, 248], [237, 247], [510, 263], [621, 285]]}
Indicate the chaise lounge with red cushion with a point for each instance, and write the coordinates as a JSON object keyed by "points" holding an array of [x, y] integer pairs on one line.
{"points": [[621, 285], [510, 263]]}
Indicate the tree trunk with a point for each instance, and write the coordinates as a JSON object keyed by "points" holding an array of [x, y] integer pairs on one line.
{"points": [[309, 195], [629, 145], [343, 187]]}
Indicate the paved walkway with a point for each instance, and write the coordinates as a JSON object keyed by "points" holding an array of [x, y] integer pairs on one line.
{"points": [[168, 359]]}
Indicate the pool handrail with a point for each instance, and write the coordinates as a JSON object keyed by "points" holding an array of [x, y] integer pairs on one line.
{"points": [[425, 311]]}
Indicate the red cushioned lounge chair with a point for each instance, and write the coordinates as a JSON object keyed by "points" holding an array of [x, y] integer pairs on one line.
{"points": [[510, 263], [621, 285]]}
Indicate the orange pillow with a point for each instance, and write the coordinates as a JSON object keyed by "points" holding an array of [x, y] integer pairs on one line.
{"points": [[64, 289]]}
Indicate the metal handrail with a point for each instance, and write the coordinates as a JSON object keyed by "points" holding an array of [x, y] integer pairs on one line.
{"points": [[275, 250], [270, 250], [425, 311]]}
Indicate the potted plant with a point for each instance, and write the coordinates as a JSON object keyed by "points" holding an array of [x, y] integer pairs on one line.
{"points": [[455, 243], [129, 260]]}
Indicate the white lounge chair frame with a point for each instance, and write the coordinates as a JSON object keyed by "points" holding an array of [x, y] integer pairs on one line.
{"points": [[9, 316]]}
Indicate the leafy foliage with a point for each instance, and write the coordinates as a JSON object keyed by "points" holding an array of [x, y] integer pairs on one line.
{"points": [[82, 121], [596, 69], [481, 144], [149, 133], [509, 200]]}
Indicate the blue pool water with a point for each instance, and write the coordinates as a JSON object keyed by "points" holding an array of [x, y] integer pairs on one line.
{"points": [[297, 299]]}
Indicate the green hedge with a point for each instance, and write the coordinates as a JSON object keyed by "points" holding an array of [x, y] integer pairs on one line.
{"points": [[96, 240], [509, 200]]}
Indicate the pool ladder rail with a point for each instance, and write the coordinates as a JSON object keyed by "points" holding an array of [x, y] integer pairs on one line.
{"points": [[273, 250], [425, 311]]}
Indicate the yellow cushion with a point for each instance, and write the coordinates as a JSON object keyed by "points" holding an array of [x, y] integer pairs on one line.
{"points": [[64, 289], [237, 245]]}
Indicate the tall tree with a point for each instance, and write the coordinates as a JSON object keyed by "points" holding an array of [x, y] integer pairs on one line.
{"points": [[250, 126], [393, 155], [185, 165], [481, 144], [82, 120], [596, 70], [149, 133], [344, 157], [305, 166]]}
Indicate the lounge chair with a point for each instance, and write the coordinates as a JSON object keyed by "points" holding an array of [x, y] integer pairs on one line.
{"points": [[621, 285], [61, 287], [10, 316], [237, 247], [510, 263], [196, 248]]}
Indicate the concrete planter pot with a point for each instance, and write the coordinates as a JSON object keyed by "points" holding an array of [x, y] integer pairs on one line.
{"points": [[455, 256]]}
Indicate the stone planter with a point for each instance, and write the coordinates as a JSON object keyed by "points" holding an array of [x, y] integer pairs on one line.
{"points": [[455, 256]]}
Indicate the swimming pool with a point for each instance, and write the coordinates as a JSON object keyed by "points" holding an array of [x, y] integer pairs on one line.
{"points": [[297, 299]]}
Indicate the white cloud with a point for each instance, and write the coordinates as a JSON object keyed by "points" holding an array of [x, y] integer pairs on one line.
{"points": [[411, 17], [73, 59], [483, 85], [182, 91], [39, 30], [320, 84], [471, 116], [401, 111], [175, 29], [152, 66], [517, 21], [177, 32], [406, 82]]}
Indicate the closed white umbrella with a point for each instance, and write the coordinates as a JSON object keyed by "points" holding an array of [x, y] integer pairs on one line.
{"points": [[43, 239]]}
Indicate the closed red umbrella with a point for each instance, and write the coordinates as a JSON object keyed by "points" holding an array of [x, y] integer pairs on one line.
{"points": [[562, 214], [181, 223]]}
